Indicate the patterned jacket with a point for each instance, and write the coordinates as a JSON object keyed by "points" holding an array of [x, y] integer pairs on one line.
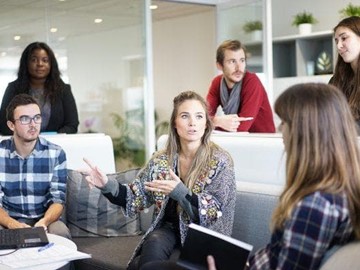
{"points": [[216, 191]]}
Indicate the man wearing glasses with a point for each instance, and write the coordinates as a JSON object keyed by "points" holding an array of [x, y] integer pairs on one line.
{"points": [[32, 172]]}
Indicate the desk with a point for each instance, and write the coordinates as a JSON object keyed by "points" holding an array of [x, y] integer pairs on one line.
{"points": [[54, 239]]}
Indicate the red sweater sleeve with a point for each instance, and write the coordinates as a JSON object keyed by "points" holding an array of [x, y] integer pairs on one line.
{"points": [[254, 103]]}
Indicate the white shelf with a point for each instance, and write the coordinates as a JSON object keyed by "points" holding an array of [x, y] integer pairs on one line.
{"points": [[313, 35]]}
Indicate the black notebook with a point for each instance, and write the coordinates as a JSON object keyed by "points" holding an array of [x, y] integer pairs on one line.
{"points": [[229, 253], [23, 238]]}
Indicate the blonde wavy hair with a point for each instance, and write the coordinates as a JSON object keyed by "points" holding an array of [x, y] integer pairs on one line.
{"points": [[173, 147], [321, 148]]}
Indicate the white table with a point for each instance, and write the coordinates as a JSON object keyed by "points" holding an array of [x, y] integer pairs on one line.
{"points": [[56, 239]]}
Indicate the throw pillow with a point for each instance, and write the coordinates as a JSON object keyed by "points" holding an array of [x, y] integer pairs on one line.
{"points": [[89, 213]]}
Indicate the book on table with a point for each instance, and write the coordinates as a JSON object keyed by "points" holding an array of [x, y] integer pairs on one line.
{"points": [[228, 252]]}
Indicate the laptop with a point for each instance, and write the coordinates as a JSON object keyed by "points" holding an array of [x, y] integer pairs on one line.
{"points": [[23, 238]]}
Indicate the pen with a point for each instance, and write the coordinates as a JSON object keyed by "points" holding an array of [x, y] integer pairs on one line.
{"points": [[45, 247]]}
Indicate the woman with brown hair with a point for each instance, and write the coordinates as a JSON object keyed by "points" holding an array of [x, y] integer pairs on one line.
{"points": [[192, 180], [320, 205], [347, 70]]}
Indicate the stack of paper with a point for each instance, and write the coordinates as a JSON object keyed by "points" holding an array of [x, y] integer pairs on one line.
{"points": [[27, 257]]}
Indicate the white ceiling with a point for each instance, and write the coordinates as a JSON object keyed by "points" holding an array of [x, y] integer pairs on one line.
{"points": [[32, 19]]}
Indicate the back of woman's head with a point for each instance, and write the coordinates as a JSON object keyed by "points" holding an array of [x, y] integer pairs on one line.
{"points": [[321, 146], [318, 115]]}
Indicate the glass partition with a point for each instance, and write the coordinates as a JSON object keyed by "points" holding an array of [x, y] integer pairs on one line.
{"points": [[244, 22], [101, 50], [249, 22]]}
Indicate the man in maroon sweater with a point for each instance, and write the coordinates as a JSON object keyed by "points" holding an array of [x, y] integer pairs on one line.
{"points": [[240, 93]]}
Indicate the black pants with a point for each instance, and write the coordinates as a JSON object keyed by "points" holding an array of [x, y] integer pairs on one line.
{"points": [[158, 246]]}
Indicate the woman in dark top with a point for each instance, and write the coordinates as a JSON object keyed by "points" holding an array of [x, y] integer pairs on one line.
{"points": [[39, 76]]}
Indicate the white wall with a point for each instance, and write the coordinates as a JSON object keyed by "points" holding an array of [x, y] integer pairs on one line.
{"points": [[184, 58], [98, 69], [325, 11]]}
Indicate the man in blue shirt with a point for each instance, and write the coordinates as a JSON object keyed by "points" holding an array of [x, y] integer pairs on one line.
{"points": [[32, 172]]}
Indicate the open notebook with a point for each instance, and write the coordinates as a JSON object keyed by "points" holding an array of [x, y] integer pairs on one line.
{"points": [[23, 238], [229, 253]]}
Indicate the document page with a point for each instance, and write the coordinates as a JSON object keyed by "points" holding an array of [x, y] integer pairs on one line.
{"points": [[27, 257]]}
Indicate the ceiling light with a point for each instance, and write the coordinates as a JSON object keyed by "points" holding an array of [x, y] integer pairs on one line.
{"points": [[153, 6], [98, 20], [17, 37], [3, 54], [53, 29]]}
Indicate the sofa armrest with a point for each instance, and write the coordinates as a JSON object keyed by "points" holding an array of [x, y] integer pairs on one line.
{"points": [[346, 257], [254, 206]]}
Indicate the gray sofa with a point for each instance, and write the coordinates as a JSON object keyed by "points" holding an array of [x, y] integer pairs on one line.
{"points": [[254, 205], [260, 176], [251, 225]]}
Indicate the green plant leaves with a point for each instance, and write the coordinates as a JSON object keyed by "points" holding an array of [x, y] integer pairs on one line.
{"points": [[350, 10], [323, 63], [304, 17]]}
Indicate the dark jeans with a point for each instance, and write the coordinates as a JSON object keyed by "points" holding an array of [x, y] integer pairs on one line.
{"points": [[158, 246], [162, 266]]}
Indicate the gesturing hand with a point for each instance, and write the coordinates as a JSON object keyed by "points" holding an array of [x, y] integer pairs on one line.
{"points": [[95, 177], [163, 186]]}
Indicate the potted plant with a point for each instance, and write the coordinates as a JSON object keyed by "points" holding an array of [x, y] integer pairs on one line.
{"points": [[129, 145], [254, 28], [304, 22], [350, 10]]}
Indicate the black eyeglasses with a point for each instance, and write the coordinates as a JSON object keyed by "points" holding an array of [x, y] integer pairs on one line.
{"points": [[25, 119]]}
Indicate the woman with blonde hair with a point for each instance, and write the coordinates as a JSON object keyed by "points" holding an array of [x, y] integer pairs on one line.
{"points": [[192, 180], [320, 205]]}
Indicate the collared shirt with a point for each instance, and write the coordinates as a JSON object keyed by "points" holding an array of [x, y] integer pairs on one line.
{"points": [[28, 186], [319, 222]]}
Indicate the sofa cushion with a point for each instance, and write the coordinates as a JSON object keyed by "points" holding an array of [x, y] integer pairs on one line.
{"points": [[254, 206], [345, 257], [89, 213]]}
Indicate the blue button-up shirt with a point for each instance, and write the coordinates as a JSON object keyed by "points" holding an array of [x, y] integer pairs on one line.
{"points": [[28, 186]]}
